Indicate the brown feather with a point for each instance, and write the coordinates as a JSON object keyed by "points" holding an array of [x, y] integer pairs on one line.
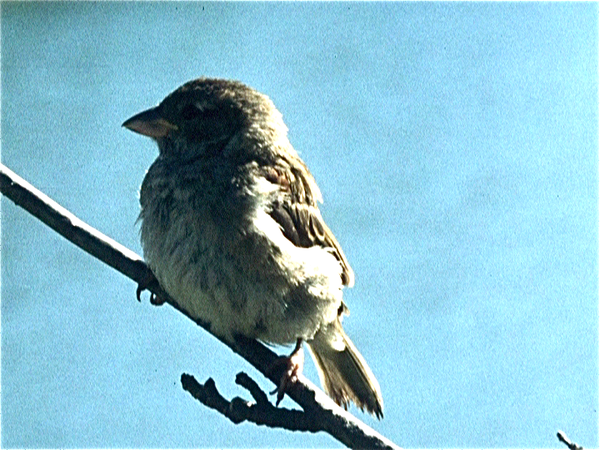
{"points": [[297, 212], [343, 371]]}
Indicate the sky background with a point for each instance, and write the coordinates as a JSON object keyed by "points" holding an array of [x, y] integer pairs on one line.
{"points": [[456, 145]]}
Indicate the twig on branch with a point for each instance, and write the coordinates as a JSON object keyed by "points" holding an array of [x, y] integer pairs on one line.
{"points": [[562, 437], [317, 406], [239, 410], [244, 380]]}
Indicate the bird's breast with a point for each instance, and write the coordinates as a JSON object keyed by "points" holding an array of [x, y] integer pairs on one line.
{"points": [[228, 263]]}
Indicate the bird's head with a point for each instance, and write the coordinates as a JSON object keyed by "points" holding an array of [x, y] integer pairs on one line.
{"points": [[204, 116]]}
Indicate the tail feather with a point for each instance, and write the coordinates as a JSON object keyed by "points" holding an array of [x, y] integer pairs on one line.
{"points": [[343, 371]]}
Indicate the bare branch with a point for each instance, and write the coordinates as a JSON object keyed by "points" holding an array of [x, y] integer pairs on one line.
{"points": [[562, 437], [317, 406], [239, 410], [249, 384], [71, 227]]}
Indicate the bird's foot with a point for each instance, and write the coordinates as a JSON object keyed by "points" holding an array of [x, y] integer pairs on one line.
{"points": [[149, 281], [293, 365]]}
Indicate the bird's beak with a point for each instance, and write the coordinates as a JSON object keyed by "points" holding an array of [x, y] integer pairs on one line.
{"points": [[150, 123]]}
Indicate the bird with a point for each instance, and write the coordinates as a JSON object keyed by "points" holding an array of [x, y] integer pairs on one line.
{"points": [[232, 231]]}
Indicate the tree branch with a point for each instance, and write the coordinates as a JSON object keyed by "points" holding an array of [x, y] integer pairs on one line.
{"points": [[562, 437], [239, 410], [318, 407]]}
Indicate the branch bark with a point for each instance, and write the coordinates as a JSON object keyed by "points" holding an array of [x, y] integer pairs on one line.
{"points": [[238, 410], [562, 437], [318, 409]]}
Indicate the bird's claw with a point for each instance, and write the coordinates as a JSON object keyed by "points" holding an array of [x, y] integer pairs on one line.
{"points": [[156, 300], [145, 284], [138, 292], [293, 369]]}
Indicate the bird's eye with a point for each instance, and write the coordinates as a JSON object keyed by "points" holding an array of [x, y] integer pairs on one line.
{"points": [[190, 112]]}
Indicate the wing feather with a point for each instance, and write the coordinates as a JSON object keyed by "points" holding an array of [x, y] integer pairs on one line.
{"points": [[297, 212]]}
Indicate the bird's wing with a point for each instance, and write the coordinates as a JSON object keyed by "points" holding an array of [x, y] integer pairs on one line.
{"points": [[298, 214]]}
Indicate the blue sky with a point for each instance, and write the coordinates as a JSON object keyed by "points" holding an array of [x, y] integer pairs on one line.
{"points": [[456, 145]]}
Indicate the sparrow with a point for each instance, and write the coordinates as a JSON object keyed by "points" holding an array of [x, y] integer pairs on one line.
{"points": [[231, 228]]}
